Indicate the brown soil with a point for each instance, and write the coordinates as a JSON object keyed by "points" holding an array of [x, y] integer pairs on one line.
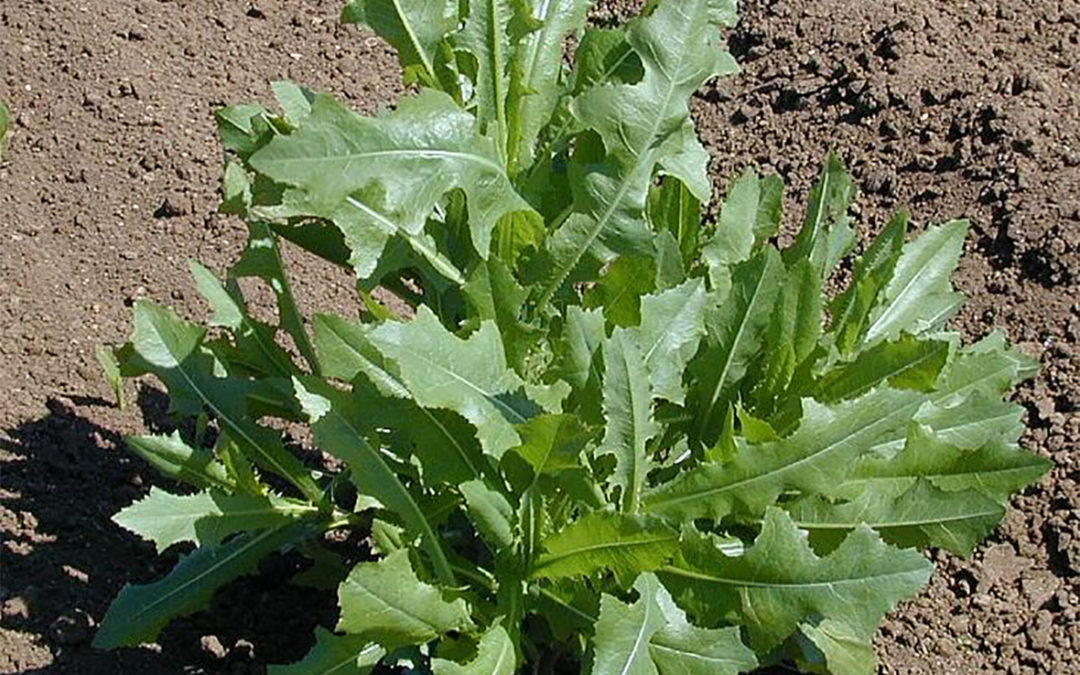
{"points": [[952, 109]]}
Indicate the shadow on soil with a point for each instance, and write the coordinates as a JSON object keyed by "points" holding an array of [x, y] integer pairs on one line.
{"points": [[65, 560]]}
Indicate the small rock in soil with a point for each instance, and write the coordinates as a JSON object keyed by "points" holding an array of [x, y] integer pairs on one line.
{"points": [[212, 647], [72, 628]]}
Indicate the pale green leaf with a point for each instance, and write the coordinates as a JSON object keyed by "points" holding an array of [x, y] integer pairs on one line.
{"points": [[492, 514], [780, 583], [628, 410], [385, 602], [415, 28], [919, 297], [606, 540], [334, 655], [495, 656], [468, 376], [672, 323], [485, 37], [110, 367], [623, 632], [843, 651], [206, 518]]}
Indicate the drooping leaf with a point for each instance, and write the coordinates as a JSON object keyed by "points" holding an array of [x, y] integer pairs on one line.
{"points": [[495, 656], [139, 613], [340, 429], [628, 410], [919, 297], [672, 323], [779, 582], [334, 655], [385, 602], [396, 167], [469, 376], [206, 518]]}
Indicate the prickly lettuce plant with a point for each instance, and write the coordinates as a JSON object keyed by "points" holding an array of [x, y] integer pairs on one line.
{"points": [[583, 429]]}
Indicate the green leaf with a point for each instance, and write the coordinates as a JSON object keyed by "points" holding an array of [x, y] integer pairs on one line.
{"points": [[205, 518], [672, 207], [680, 648], [334, 655], [818, 455], [919, 297], [851, 309], [341, 429], [110, 367], [485, 38], [734, 333], [922, 516], [394, 169], [495, 656], [780, 583], [173, 458], [672, 323], [734, 238], [170, 348], [492, 514], [907, 363], [628, 411], [641, 125], [623, 632], [536, 72], [843, 651], [469, 376], [552, 443], [415, 28], [620, 288], [139, 613], [347, 351], [5, 126], [496, 296], [295, 101], [826, 235], [605, 540], [385, 602]]}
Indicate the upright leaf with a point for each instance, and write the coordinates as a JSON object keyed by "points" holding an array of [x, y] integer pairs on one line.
{"points": [[735, 330], [826, 236], [385, 602], [672, 323], [485, 38], [416, 28], [139, 613], [642, 126], [919, 297], [628, 410]]}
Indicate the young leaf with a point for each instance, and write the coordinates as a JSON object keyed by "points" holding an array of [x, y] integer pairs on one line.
{"points": [[851, 309], [139, 613], [495, 656], [492, 514], [734, 238], [110, 366], [205, 518], [340, 429], [826, 236], [175, 459], [628, 409], [469, 376], [485, 38], [779, 582], [398, 166], [623, 632], [5, 124], [672, 207], [385, 602], [605, 540], [334, 655], [919, 297]]}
